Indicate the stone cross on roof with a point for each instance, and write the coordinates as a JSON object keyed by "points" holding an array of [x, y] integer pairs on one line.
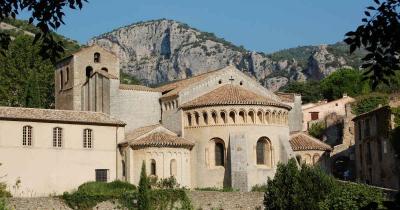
{"points": [[231, 79]]}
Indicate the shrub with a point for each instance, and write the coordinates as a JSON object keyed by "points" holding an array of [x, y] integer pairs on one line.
{"points": [[2, 204], [259, 188], [317, 130], [144, 188], [348, 196], [168, 183], [369, 102], [311, 188], [91, 193]]}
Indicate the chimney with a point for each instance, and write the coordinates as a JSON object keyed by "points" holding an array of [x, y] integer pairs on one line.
{"points": [[344, 95]]}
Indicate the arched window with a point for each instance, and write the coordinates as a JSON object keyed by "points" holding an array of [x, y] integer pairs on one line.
{"points": [[89, 71], [316, 159], [27, 135], [61, 79], [173, 168], [189, 119], [264, 152], [57, 137], [197, 118], [96, 57], [223, 117], [87, 138], [251, 117], [153, 167], [232, 117], [242, 118], [267, 117], [260, 117], [104, 69], [214, 117], [205, 118], [219, 153]]}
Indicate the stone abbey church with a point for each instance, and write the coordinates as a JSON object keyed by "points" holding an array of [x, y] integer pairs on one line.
{"points": [[217, 129]]}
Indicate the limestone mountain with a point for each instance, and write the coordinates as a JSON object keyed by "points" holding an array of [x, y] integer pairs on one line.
{"points": [[159, 51]]}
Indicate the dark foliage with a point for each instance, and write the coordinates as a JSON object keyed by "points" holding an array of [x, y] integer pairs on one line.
{"points": [[379, 36], [46, 15], [310, 90]]}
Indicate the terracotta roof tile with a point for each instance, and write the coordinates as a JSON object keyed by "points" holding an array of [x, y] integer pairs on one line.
{"points": [[134, 134], [137, 87], [161, 139], [63, 116], [155, 136], [232, 94], [302, 141]]}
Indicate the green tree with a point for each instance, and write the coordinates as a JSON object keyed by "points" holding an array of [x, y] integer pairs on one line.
{"points": [[379, 36], [317, 130], [309, 90], [25, 78], [47, 16], [369, 102], [342, 81], [144, 190]]}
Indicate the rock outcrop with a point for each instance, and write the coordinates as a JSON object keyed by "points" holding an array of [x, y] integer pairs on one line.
{"points": [[163, 50]]}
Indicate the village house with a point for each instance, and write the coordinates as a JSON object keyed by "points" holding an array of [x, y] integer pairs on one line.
{"points": [[376, 161]]}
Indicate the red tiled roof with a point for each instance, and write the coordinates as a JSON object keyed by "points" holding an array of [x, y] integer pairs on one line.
{"points": [[232, 95], [301, 141], [137, 87]]}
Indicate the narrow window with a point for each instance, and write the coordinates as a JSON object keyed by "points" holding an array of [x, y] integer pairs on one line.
{"points": [[260, 152], [67, 75], [87, 138], [104, 69], [96, 57], [123, 168], [219, 154], [27, 135], [153, 167], [61, 80], [57, 137], [101, 175], [367, 128], [379, 145]]}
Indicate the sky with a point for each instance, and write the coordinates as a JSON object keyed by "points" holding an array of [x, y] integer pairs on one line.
{"points": [[258, 25]]}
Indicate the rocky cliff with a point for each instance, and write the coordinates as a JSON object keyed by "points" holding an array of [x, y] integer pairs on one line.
{"points": [[163, 50]]}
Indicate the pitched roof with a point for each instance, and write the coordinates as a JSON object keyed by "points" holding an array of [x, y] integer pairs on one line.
{"points": [[379, 108], [57, 116], [172, 89], [302, 141], [161, 139], [232, 95], [137, 87], [155, 136]]}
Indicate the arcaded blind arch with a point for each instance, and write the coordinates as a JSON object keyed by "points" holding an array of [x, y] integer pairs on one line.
{"points": [[87, 138], [27, 135], [57, 137], [173, 168], [307, 159], [264, 152], [96, 57], [153, 167]]}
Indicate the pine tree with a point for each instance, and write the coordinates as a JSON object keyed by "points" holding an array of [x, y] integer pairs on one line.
{"points": [[144, 188]]}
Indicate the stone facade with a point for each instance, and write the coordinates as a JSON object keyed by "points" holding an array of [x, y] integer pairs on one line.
{"points": [[376, 161]]}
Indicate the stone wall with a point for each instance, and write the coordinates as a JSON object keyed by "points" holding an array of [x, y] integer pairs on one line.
{"points": [[204, 200], [207, 200]]}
